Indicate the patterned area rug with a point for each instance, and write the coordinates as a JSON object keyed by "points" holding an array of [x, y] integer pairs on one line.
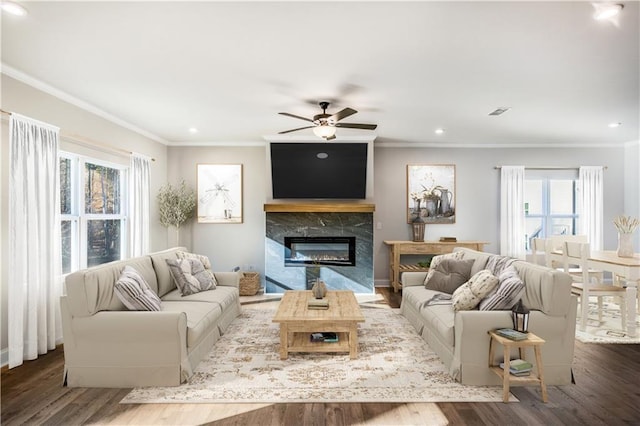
{"points": [[609, 330], [394, 365]]}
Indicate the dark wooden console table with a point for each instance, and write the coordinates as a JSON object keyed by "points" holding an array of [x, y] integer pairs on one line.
{"points": [[399, 248]]}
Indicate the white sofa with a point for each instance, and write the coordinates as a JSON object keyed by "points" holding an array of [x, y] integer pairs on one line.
{"points": [[106, 345], [460, 338]]}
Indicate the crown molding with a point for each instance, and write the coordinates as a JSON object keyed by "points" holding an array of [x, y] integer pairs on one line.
{"points": [[46, 88]]}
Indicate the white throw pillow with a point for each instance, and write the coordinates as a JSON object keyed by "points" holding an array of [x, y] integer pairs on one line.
{"points": [[469, 294]]}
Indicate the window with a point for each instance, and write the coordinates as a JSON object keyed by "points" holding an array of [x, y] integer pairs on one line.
{"points": [[92, 221], [550, 206]]}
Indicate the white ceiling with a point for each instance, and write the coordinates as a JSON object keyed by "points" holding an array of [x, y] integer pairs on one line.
{"points": [[229, 68]]}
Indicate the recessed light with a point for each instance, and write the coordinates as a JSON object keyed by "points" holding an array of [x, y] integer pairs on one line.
{"points": [[193, 130], [13, 8], [439, 131], [614, 125], [322, 155], [606, 11]]}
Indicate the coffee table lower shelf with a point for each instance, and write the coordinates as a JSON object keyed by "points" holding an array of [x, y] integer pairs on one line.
{"points": [[301, 343]]}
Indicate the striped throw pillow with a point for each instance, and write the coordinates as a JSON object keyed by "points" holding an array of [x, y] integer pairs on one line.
{"points": [[134, 292], [509, 291]]}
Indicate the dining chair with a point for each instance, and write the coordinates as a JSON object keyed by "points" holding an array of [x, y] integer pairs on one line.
{"points": [[577, 254], [539, 251], [556, 243]]}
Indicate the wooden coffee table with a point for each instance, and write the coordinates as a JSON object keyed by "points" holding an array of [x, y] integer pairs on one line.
{"points": [[297, 322]]}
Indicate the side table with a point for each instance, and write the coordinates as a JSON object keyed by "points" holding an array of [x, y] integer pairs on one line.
{"points": [[507, 378]]}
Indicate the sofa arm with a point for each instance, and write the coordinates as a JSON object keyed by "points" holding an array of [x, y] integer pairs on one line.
{"points": [[228, 279], [409, 279], [130, 338], [472, 332]]}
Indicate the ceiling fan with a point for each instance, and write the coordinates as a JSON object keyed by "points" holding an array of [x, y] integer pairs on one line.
{"points": [[324, 125]]}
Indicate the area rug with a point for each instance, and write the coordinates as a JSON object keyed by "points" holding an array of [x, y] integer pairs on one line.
{"points": [[609, 330], [394, 365]]}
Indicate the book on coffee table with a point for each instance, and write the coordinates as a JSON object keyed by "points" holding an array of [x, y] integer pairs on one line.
{"points": [[318, 303], [512, 334], [327, 337]]}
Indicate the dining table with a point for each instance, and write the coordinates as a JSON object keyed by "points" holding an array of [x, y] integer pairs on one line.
{"points": [[627, 268]]}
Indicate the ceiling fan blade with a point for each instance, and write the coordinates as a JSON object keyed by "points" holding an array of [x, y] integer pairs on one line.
{"points": [[295, 116], [295, 130], [342, 114], [357, 126]]}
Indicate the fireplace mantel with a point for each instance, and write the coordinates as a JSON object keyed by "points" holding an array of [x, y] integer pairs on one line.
{"points": [[319, 207]]}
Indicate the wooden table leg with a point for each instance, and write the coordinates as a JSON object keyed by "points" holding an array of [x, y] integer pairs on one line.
{"points": [[505, 378], [284, 341], [543, 387], [353, 341]]}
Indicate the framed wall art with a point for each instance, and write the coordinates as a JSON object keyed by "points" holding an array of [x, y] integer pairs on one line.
{"points": [[219, 193], [431, 193]]}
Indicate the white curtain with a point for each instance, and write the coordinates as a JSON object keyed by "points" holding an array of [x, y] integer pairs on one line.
{"points": [[512, 225], [139, 182], [35, 280], [591, 205]]}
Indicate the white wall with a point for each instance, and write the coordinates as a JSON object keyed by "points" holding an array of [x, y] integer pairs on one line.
{"points": [[25, 100], [477, 190]]}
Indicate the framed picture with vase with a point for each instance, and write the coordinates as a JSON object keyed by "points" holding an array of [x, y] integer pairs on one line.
{"points": [[431, 193]]}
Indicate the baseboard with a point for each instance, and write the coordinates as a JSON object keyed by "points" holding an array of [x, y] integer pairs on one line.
{"points": [[381, 283]]}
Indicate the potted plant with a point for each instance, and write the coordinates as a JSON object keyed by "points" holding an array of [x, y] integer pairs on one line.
{"points": [[177, 205]]}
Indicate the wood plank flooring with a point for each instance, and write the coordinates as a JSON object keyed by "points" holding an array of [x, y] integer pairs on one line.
{"points": [[607, 392]]}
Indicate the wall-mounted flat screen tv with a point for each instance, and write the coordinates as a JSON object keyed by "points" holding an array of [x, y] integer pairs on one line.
{"points": [[319, 170]]}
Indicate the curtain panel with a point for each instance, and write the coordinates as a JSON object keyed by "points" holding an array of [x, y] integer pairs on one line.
{"points": [[512, 219], [35, 280], [139, 194], [591, 222]]}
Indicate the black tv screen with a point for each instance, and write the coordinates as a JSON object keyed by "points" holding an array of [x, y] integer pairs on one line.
{"points": [[319, 170]]}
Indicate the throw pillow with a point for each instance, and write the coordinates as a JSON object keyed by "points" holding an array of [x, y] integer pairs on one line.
{"points": [[205, 262], [469, 294], [507, 294], [449, 274], [134, 292], [437, 259], [190, 276]]}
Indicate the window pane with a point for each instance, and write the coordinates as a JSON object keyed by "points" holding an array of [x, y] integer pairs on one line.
{"points": [[102, 189], [103, 241], [561, 197], [65, 186], [562, 226], [534, 229], [533, 197], [66, 232]]}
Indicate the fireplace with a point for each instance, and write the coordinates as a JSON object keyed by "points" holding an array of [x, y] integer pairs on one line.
{"points": [[325, 250]]}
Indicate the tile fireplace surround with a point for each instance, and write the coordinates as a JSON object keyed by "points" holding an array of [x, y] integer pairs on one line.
{"points": [[319, 220]]}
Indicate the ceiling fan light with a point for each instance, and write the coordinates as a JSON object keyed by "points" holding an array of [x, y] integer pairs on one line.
{"points": [[324, 131]]}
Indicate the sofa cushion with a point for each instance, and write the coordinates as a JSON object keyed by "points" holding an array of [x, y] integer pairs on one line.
{"points": [[440, 318], [223, 296], [92, 290], [190, 276], [437, 259], [468, 295], [449, 274], [202, 318], [165, 281], [506, 294], [134, 292]]}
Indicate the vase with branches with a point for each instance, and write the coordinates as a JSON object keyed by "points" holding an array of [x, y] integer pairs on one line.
{"points": [[176, 206]]}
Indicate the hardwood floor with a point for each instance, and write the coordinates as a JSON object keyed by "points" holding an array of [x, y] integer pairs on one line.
{"points": [[606, 392]]}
